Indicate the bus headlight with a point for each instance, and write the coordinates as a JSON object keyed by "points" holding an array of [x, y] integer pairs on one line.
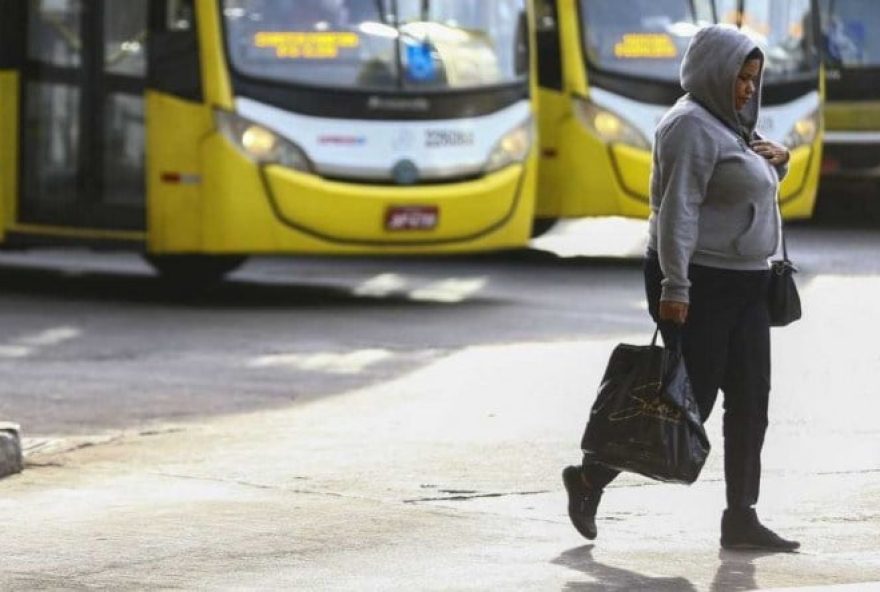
{"points": [[804, 131], [512, 148], [259, 143], [608, 126]]}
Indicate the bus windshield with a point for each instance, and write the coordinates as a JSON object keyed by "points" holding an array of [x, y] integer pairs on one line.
{"points": [[648, 38], [384, 45], [845, 33]]}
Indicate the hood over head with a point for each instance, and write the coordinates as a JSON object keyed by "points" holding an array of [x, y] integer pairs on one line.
{"points": [[709, 70]]}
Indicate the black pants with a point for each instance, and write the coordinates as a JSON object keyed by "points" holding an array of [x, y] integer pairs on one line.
{"points": [[726, 345]]}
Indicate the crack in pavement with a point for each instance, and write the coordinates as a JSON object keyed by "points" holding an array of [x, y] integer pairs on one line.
{"points": [[335, 494], [259, 485], [850, 472], [450, 498], [52, 445]]}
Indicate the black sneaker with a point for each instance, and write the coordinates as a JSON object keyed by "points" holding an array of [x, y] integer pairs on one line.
{"points": [[741, 529], [582, 501]]}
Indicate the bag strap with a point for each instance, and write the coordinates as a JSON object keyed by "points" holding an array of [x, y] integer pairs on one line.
{"points": [[782, 232], [675, 344]]}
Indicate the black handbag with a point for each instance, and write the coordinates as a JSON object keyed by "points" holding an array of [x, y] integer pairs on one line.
{"points": [[783, 301], [645, 419]]}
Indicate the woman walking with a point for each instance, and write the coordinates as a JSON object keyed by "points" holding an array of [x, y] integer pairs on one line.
{"points": [[714, 223]]}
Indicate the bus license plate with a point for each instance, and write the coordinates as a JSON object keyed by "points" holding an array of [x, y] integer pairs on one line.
{"points": [[400, 218]]}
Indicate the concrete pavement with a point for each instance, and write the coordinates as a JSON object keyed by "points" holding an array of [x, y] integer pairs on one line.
{"points": [[448, 479]]}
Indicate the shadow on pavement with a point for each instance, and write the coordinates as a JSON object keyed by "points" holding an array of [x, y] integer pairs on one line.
{"points": [[609, 578], [233, 293], [544, 257], [736, 573]]}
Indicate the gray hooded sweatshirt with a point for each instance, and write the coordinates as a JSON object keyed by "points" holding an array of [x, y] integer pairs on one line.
{"points": [[713, 199]]}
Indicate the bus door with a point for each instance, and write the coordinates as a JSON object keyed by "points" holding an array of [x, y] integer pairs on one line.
{"points": [[82, 117]]}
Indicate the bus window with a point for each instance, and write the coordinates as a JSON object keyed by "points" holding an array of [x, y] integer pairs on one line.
{"points": [[174, 66], [55, 37], [124, 133], [781, 29], [648, 38], [849, 32], [125, 36], [348, 44], [644, 38], [549, 49], [53, 147]]}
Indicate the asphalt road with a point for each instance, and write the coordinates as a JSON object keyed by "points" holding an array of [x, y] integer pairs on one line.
{"points": [[461, 388], [91, 342]]}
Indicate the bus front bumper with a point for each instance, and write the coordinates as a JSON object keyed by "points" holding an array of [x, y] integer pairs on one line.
{"points": [[249, 208]]}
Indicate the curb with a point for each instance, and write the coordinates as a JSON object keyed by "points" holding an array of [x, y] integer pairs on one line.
{"points": [[11, 461]]}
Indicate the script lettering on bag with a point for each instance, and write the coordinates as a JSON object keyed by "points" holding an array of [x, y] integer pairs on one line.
{"points": [[648, 405]]}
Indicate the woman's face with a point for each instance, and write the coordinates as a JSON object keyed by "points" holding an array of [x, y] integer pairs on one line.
{"points": [[746, 83]]}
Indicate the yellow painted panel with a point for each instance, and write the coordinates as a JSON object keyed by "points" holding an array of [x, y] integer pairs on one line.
{"points": [[798, 200], [552, 110], [633, 167], [215, 71], [852, 115], [237, 215], [588, 186], [798, 167], [8, 149], [577, 178], [573, 64], [175, 131]]}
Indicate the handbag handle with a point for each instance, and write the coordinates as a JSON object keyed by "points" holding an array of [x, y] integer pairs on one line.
{"points": [[674, 344]]}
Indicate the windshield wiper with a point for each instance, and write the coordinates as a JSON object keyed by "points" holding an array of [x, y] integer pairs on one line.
{"points": [[398, 47], [380, 8]]}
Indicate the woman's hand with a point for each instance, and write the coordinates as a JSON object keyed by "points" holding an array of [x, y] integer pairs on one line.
{"points": [[777, 154], [676, 312]]}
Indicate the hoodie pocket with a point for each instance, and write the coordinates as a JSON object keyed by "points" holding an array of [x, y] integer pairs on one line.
{"points": [[759, 237]]}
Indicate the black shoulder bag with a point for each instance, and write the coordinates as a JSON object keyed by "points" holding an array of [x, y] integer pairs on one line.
{"points": [[783, 301]]}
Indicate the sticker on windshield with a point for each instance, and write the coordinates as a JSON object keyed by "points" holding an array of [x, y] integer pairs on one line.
{"points": [[420, 63], [324, 45], [645, 46]]}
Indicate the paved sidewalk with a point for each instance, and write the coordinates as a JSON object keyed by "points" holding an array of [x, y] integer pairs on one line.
{"points": [[448, 479]]}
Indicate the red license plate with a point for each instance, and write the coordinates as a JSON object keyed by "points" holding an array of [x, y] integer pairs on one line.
{"points": [[399, 218]]}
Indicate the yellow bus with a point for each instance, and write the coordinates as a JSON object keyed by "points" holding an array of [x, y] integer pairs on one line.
{"points": [[204, 131], [609, 69], [851, 50]]}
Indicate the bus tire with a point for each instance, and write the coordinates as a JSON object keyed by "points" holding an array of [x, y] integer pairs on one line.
{"points": [[541, 226], [194, 270]]}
